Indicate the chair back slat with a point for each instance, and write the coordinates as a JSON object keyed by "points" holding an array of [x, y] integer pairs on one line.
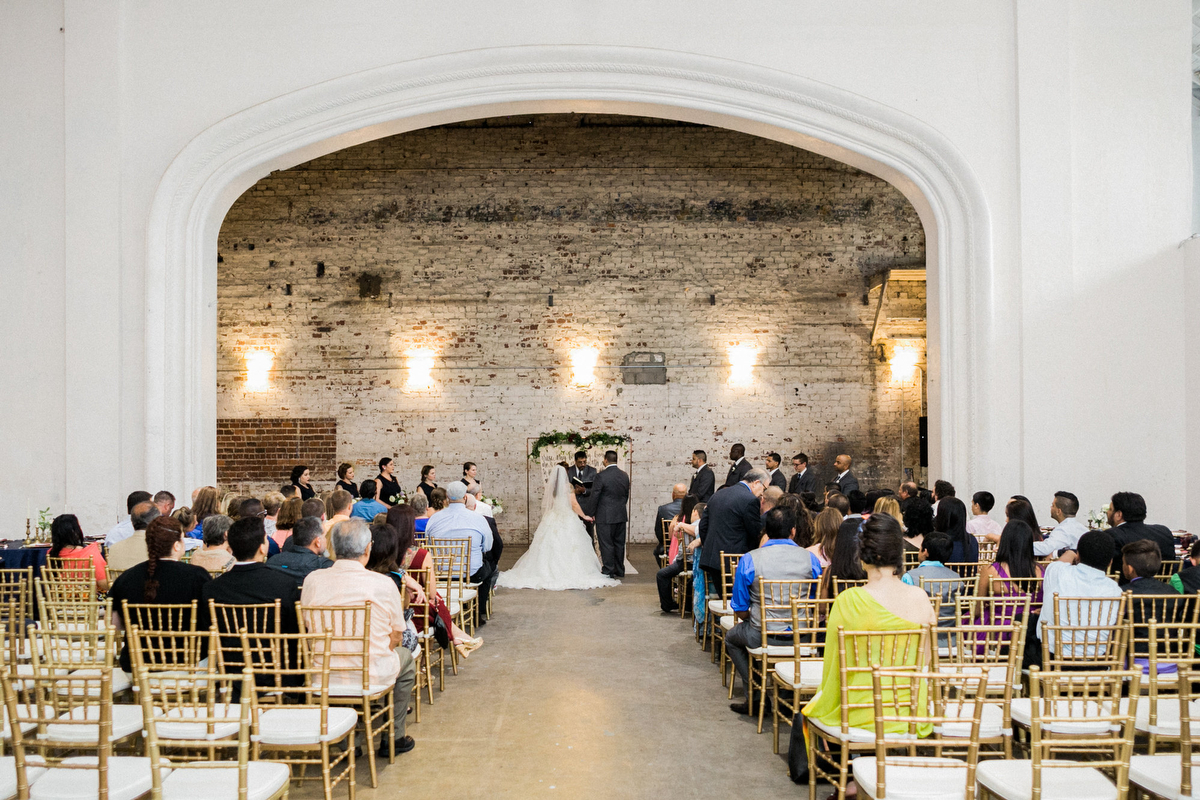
{"points": [[1084, 632], [861, 651], [228, 620], [348, 655]]}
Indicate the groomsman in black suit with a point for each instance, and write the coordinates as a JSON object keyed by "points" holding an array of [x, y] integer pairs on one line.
{"points": [[845, 479], [609, 501], [584, 474], [777, 479], [804, 480], [737, 454], [704, 483]]}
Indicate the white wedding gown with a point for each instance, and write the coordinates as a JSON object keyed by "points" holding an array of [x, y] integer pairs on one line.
{"points": [[561, 555]]}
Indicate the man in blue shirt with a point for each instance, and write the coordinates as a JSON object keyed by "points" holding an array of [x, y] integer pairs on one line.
{"points": [[456, 521], [778, 558], [367, 507]]}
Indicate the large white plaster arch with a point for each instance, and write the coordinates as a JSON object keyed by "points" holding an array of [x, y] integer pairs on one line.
{"points": [[216, 167]]}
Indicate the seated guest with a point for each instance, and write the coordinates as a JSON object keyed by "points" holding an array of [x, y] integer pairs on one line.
{"points": [[1088, 578], [437, 501], [680, 527], [1066, 533], [289, 490], [858, 504], [304, 551], [291, 513], [253, 507], [475, 496], [1019, 508], [1014, 559], [951, 519], [891, 506], [428, 480], [1127, 516], [124, 529], [67, 543], [980, 524], [367, 506], [161, 579], [233, 508], [300, 476], [345, 483], [272, 503], [165, 502], [184, 516], [908, 491], [1187, 580], [812, 502], [778, 558], [456, 521], [250, 581], [349, 583], [941, 490], [844, 563], [770, 498], [886, 603], [838, 501], [215, 556], [945, 582], [918, 521], [667, 513], [1141, 562], [337, 508], [127, 552], [207, 503], [825, 530], [420, 507]]}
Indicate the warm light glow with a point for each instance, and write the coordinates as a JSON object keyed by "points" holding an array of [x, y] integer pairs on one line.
{"points": [[904, 361], [258, 370], [420, 369], [583, 365], [741, 364]]}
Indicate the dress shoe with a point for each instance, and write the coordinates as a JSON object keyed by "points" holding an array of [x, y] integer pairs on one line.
{"points": [[402, 746], [740, 708], [671, 610]]}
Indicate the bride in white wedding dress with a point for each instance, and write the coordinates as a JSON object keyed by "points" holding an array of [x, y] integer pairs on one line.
{"points": [[561, 555]]}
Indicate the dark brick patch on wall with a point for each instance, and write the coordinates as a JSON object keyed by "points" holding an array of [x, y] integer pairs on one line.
{"points": [[264, 450]]}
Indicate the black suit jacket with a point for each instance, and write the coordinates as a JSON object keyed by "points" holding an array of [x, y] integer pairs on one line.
{"points": [[777, 479], [249, 584], [1128, 532], [847, 483], [803, 483], [704, 483], [609, 499], [732, 523], [587, 474], [736, 473]]}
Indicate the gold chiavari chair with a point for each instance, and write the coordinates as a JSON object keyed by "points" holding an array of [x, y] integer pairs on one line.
{"points": [[720, 616], [70, 604], [946, 592], [1018, 587], [859, 652], [969, 570], [987, 551], [912, 560], [452, 564], [297, 666], [799, 677], [1170, 775], [1168, 569], [925, 715], [1074, 714], [173, 647], [774, 622], [229, 620], [68, 570], [841, 584], [664, 542], [348, 663], [1168, 656], [428, 642], [1084, 633], [16, 593], [681, 584]]}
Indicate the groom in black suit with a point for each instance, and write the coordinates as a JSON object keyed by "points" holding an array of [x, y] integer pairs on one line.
{"points": [[608, 502]]}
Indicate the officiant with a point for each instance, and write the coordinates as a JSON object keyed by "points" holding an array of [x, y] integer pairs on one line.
{"points": [[582, 476]]}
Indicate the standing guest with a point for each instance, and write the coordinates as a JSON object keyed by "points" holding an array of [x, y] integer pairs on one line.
{"points": [[739, 467], [608, 505], [206, 504], [337, 508], [367, 506], [667, 513], [804, 480], [304, 551], [428, 480], [165, 502], [908, 491], [980, 524], [777, 479], [161, 579], [681, 525], [1088, 578], [289, 515], [300, 475], [271, 505], [951, 519], [941, 489], [891, 507], [845, 480], [844, 562], [1066, 533], [124, 528], [289, 490], [348, 583], [389, 489], [127, 552], [1127, 516], [470, 473], [67, 543], [250, 581], [704, 483], [825, 531], [420, 507], [732, 523], [215, 555], [1014, 559], [1187, 580], [345, 482], [456, 521]]}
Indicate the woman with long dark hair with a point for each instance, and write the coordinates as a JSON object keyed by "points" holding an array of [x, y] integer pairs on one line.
{"points": [[390, 490], [844, 562], [67, 543], [428, 480], [345, 473], [300, 475], [951, 520], [1014, 559], [918, 521], [1021, 509]]}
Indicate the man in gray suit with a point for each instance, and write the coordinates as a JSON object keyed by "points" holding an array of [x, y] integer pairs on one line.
{"points": [[608, 502]]}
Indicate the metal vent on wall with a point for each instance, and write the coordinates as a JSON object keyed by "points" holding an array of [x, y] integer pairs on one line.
{"points": [[644, 368]]}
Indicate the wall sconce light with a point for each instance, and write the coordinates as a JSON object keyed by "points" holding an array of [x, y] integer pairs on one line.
{"points": [[420, 370], [583, 365], [258, 370], [903, 362], [741, 364]]}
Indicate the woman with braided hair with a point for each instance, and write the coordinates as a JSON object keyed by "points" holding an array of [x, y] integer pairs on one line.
{"points": [[162, 578]]}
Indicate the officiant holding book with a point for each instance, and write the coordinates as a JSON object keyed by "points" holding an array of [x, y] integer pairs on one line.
{"points": [[582, 477]]}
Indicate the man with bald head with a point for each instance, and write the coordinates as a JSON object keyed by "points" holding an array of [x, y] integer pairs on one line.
{"points": [[845, 479], [668, 512]]}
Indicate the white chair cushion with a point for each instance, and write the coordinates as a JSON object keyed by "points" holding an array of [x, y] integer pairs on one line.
{"points": [[292, 726], [453, 607], [1167, 723], [855, 734], [914, 778], [1013, 780], [121, 681], [997, 674], [465, 595], [8, 776], [719, 607], [128, 778], [229, 724], [727, 622], [263, 779], [991, 721], [356, 691], [810, 673], [1160, 775], [125, 720], [774, 650], [23, 712], [1022, 712]]}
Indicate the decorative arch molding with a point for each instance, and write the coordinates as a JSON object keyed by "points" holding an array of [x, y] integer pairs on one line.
{"points": [[225, 160]]}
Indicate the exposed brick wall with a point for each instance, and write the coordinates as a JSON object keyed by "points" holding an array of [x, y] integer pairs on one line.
{"points": [[257, 453], [457, 235]]}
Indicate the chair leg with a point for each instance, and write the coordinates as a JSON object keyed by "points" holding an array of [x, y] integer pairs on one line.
{"points": [[775, 715], [370, 734], [762, 693], [351, 785], [326, 782]]}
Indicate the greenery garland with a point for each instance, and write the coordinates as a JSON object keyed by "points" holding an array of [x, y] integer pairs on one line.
{"points": [[577, 440]]}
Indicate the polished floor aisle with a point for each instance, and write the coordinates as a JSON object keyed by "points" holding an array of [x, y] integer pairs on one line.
{"points": [[584, 694]]}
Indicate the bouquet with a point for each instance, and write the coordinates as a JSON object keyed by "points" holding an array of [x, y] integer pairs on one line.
{"points": [[494, 503], [398, 499]]}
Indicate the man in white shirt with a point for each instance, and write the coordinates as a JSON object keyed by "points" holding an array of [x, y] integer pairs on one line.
{"points": [[980, 525], [124, 529], [1066, 533], [1087, 579], [456, 521], [476, 491]]}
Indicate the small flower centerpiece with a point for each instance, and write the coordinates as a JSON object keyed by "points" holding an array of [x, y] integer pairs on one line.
{"points": [[1098, 520]]}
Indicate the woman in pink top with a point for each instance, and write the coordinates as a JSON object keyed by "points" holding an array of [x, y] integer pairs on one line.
{"points": [[67, 543]]}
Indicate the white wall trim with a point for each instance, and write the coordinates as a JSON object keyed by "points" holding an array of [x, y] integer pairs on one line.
{"points": [[226, 159]]}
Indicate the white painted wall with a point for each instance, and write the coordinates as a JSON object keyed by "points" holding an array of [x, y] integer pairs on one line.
{"points": [[1073, 118]]}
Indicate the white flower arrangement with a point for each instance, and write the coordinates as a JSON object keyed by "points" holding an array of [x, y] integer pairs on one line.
{"points": [[493, 502], [1098, 520]]}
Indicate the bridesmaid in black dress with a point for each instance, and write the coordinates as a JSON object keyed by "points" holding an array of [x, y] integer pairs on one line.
{"points": [[300, 481], [345, 473], [428, 480], [390, 490]]}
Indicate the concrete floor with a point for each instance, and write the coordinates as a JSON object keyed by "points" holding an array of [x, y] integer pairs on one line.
{"points": [[583, 694]]}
